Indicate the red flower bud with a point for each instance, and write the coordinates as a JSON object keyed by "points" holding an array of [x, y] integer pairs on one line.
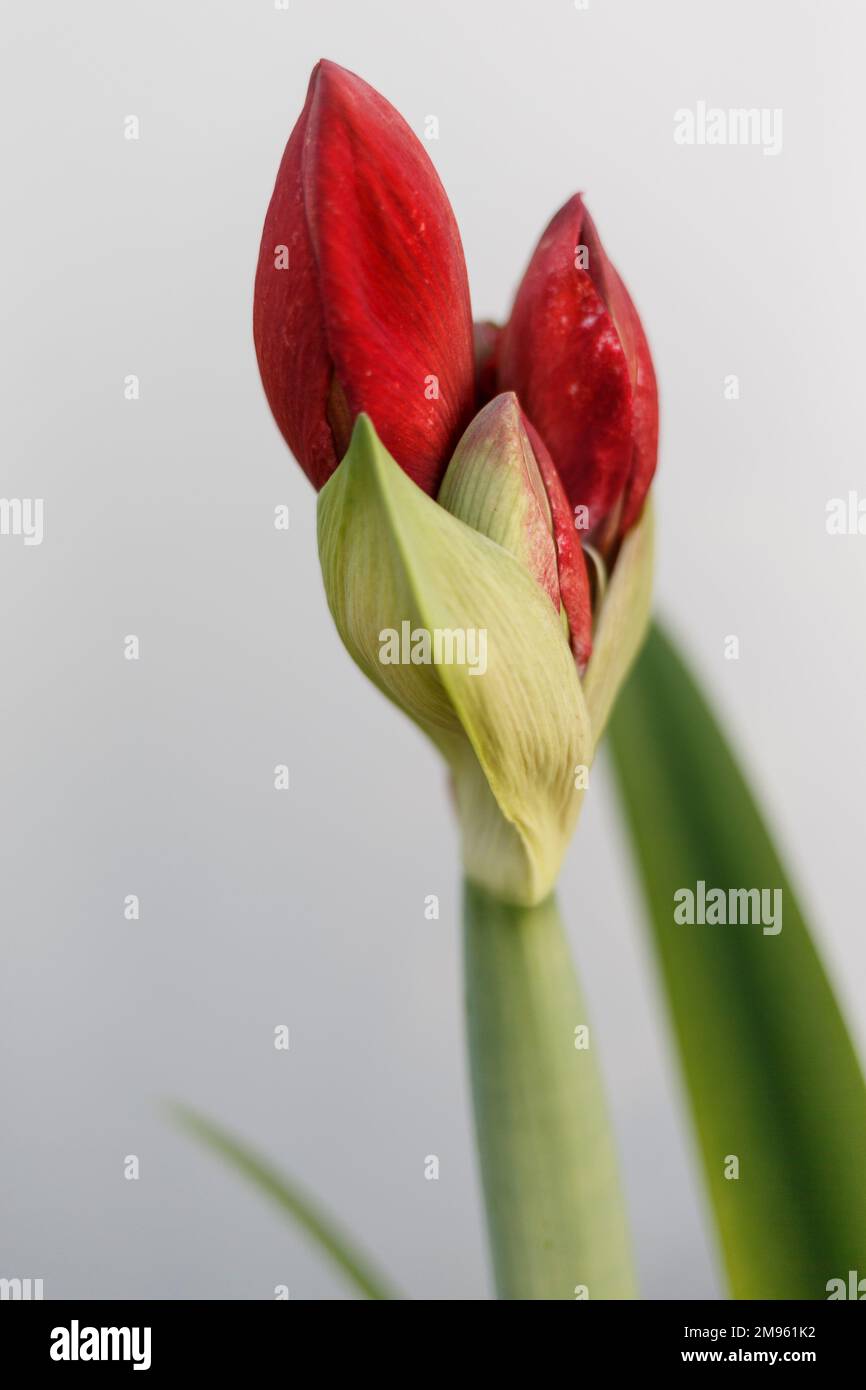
{"points": [[574, 588], [362, 297], [575, 352], [502, 482]]}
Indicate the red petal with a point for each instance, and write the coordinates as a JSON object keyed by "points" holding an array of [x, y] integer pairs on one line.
{"points": [[641, 374], [570, 361], [574, 589], [377, 318], [645, 404], [288, 325], [392, 276]]}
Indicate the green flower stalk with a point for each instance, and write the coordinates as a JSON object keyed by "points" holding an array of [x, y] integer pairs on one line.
{"points": [[486, 549], [555, 1214]]}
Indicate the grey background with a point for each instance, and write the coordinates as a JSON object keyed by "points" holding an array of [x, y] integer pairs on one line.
{"points": [[306, 908]]}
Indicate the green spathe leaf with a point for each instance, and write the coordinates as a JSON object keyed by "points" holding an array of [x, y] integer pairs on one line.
{"points": [[395, 564], [622, 622], [771, 1074], [287, 1195]]}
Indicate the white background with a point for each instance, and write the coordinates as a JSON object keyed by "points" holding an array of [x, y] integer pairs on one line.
{"points": [[155, 778]]}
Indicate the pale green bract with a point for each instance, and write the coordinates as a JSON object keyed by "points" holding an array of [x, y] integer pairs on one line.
{"points": [[622, 623], [514, 727]]}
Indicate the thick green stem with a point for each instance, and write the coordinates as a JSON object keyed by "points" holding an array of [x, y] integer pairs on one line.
{"points": [[555, 1210]]}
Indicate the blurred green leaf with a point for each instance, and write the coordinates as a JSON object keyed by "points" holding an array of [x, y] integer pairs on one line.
{"points": [[769, 1067], [287, 1195]]}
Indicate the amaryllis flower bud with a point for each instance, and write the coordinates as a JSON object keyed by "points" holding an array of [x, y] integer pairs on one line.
{"points": [[362, 297], [502, 482], [575, 352], [473, 612], [512, 727]]}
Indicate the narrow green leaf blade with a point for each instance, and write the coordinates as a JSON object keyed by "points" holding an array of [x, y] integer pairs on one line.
{"points": [[287, 1195], [770, 1070]]}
